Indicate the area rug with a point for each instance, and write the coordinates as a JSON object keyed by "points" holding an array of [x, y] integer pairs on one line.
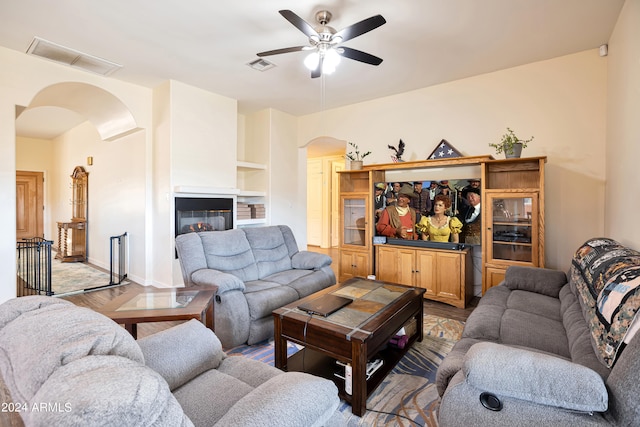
{"points": [[72, 277], [408, 396]]}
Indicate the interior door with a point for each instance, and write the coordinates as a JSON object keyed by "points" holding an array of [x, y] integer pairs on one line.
{"points": [[335, 202], [29, 204], [314, 202]]}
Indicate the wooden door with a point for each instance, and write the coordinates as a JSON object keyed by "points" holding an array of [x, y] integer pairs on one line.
{"points": [[29, 204]]}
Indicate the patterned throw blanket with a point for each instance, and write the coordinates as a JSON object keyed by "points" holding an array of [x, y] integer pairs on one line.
{"points": [[607, 277]]}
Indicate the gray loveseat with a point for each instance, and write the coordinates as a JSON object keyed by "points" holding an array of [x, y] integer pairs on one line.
{"points": [[63, 365], [255, 270], [548, 351]]}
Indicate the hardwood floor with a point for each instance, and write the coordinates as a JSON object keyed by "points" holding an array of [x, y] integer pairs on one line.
{"points": [[96, 299]]}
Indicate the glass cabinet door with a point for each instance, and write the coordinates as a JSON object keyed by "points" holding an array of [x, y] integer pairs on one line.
{"points": [[512, 231], [354, 214]]}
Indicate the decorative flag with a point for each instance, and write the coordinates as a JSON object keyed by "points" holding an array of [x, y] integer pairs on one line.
{"points": [[444, 150]]}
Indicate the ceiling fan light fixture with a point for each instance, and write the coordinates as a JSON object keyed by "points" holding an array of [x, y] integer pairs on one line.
{"points": [[330, 62], [312, 60]]}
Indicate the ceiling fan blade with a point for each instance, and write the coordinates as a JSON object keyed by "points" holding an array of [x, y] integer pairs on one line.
{"points": [[360, 28], [318, 71], [299, 23], [279, 51], [359, 55]]}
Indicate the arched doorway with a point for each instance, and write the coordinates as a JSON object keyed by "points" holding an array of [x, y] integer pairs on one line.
{"points": [[85, 116]]}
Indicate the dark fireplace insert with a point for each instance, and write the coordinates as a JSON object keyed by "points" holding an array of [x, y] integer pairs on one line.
{"points": [[195, 214]]}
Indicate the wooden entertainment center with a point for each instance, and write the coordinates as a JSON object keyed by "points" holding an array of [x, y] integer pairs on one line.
{"points": [[512, 192]]}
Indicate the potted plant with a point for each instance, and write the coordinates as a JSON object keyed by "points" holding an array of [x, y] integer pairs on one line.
{"points": [[510, 144], [355, 157]]}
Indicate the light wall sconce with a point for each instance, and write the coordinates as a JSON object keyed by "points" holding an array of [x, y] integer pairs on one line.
{"points": [[90, 160]]}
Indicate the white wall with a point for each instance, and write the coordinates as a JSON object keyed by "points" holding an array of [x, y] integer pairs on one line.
{"points": [[623, 128], [204, 137], [197, 145], [562, 102]]}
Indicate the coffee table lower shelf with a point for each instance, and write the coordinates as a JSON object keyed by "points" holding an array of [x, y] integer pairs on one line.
{"points": [[322, 365]]}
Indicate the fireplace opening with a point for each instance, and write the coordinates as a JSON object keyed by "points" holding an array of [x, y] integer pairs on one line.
{"points": [[196, 214]]}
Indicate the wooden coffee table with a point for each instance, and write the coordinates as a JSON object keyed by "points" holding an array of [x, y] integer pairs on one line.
{"points": [[356, 334], [160, 305]]}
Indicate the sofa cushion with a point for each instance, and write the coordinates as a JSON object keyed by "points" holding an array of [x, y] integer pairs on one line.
{"points": [[106, 391], [315, 281], [535, 377], [263, 303], [229, 251], [532, 330], [286, 394], [288, 276], [607, 277], [182, 353], [206, 398], [269, 250], [535, 303], [39, 337], [249, 371], [539, 280]]}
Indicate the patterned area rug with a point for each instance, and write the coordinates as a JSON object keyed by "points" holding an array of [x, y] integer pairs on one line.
{"points": [[72, 277], [408, 391]]}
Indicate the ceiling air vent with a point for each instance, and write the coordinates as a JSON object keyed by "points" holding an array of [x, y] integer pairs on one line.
{"points": [[261, 64], [64, 55]]}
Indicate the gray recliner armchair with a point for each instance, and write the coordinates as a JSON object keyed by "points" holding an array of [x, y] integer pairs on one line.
{"points": [[63, 365]]}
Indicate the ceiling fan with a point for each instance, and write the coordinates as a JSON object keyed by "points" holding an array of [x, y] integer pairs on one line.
{"points": [[325, 43]]}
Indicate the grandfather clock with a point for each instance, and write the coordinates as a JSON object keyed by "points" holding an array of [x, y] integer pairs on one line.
{"points": [[72, 236]]}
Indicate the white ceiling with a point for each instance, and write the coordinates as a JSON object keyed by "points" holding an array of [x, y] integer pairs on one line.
{"points": [[208, 43]]}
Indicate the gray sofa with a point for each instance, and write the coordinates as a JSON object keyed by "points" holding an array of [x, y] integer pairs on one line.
{"points": [[548, 351], [63, 365], [255, 271]]}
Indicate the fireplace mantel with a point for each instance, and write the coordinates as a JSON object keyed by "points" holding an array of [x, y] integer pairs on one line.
{"points": [[186, 189]]}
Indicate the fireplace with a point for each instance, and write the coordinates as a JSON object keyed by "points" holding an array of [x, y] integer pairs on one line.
{"points": [[195, 214]]}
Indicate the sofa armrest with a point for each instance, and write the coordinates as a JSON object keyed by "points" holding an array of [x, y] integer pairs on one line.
{"points": [[534, 377], [223, 281], [300, 399], [305, 260], [533, 279], [182, 352]]}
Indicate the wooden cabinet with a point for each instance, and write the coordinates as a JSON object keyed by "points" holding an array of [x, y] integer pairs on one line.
{"points": [[72, 235], [512, 209], [356, 223], [354, 264], [513, 216], [72, 241], [446, 275]]}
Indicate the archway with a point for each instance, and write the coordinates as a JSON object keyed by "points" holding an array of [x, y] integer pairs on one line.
{"points": [[86, 110], [105, 111]]}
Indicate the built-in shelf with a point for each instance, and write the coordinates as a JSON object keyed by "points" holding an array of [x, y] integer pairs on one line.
{"points": [[252, 221], [249, 193], [253, 181], [251, 165]]}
